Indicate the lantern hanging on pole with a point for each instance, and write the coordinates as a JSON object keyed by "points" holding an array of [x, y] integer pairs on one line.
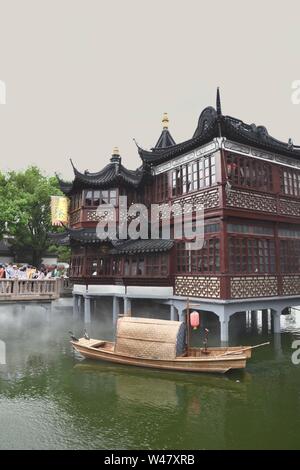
{"points": [[195, 320]]}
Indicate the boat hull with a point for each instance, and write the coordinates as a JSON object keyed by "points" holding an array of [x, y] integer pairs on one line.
{"points": [[212, 364]]}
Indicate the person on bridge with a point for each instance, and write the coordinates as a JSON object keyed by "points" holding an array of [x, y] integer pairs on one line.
{"points": [[2, 271], [22, 274], [9, 271]]}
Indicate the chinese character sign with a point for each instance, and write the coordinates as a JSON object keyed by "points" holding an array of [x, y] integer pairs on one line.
{"points": [[59, 210]]}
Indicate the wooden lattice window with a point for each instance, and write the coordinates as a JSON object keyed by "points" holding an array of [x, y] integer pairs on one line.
{"points": [[251, 255], [206, 260], [249, 172], [116, 267], [96, 197], [289, 231], [161, 187], [290, 256], [157, 265], [76, 266], [290, 182], [250, 229], [192, 176]]}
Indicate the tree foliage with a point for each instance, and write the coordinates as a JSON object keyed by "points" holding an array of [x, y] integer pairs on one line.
{"points": [[25, 211], [63, 253]]}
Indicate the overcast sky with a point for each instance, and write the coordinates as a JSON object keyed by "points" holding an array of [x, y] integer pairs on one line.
{"points": [[83, 76]]}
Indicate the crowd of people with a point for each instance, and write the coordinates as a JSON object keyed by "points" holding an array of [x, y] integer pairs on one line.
{"points": [[28, 272]]}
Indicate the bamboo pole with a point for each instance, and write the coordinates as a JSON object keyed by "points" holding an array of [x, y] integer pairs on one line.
{"points": [[239, 351], [188, 325]]}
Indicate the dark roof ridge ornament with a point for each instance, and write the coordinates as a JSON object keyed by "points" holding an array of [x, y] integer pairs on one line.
{"points": [[218, 103], [219, 111], [165, 139], [165, 121], [290, 144], [73, 166], [136, 143], [115, 157]]}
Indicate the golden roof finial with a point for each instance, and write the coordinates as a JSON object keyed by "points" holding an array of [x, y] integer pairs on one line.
{"points": [[116, 151], [165, 121]]}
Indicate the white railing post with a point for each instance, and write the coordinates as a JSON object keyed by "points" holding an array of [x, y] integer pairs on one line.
{"points": [[15, 289]]}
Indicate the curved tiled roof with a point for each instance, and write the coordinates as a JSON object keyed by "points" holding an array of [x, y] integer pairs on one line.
{"points": [[206, 130], [89, 235], [84, 235], [113, 174], [213, 124], [142, 246], [60, 238], [65, 186], [165, 140]]}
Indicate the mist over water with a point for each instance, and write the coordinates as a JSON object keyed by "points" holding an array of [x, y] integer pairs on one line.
{"points": [[50, 398]]}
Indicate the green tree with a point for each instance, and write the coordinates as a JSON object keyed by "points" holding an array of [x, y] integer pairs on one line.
{"points": [[63, 253], [25, 211]]}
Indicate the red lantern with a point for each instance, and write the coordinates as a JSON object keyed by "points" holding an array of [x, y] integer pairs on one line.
{"points": [[195, 320]]}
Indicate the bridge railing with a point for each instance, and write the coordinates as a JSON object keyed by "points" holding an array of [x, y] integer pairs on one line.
{"points": [[30, 289]]}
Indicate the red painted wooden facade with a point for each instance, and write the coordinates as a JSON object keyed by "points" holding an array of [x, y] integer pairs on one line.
{"points": [[249, 185]]}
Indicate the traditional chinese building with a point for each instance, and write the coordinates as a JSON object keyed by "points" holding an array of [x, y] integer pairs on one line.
{"points": [[249, 185]]}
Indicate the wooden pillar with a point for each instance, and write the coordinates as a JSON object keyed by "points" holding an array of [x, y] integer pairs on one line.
{"points": [[84, 264], [180, 307], [241, 319], [272, 322], [265, 321], [224, 261], [127, 307], [172, 312], [75, 306], [224, 328], [254, 320], [87, 310], [116, 309], [80, 298], [275, 321], [277, 259]]}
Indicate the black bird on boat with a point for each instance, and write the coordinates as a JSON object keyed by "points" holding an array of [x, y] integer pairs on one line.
{"points": [[73, 338]]}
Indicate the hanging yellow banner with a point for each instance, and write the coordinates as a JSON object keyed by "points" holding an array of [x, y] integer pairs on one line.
{"points": [[59, 210]]}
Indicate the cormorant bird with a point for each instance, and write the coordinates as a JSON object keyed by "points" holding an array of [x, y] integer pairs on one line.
{"points": [[73, 338]]}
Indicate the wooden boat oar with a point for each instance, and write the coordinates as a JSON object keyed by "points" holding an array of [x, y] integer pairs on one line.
{"points": [[240, 351]]}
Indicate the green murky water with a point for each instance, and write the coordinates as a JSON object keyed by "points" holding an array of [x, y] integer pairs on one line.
{"points": [[51, 399]]}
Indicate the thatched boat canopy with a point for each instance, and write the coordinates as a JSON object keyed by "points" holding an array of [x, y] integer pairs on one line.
{"points": [[150, 338]]}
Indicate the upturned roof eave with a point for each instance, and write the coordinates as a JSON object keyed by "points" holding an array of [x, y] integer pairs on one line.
{"points": [[230, 128]]}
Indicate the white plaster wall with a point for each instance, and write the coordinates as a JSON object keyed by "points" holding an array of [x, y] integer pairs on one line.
{"points": [[79, 289], [106, 289], [149, 291]]}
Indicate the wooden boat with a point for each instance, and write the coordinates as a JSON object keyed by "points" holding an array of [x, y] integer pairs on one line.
{"points": [[160, 344]]}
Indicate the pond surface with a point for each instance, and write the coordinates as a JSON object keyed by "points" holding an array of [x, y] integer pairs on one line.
{"points": [[52, 399]]}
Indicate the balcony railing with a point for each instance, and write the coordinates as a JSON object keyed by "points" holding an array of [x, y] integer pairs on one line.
{"points": [[35, 289]]}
